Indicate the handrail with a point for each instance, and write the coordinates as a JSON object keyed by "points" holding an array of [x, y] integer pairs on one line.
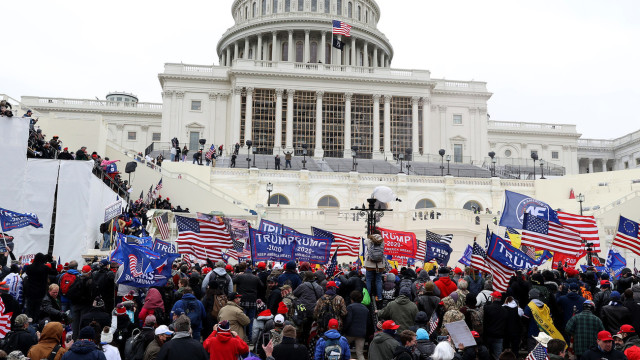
{"points": [[616, 203]]}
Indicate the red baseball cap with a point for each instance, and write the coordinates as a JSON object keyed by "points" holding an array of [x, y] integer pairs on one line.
{"points": [[229, 267], [457, 270], [604, 282], [333, 324], [604, 336], [262, 265], [86, 269], [626, 329], [331, 284], [389, 325], [496, 295], [475, 334]]}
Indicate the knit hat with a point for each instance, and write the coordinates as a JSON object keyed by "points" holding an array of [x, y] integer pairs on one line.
{"points": [[87, 333], [129, 297], [291, 265], [260, 306], [150, 320], [573, 287], [633, 353], [421, 317], [106, 337], [534, 294], [422, 334], [614, 295], [289, 331], [282, 308], [224, 326], [394, 271], [405, 291], [429, 286]]}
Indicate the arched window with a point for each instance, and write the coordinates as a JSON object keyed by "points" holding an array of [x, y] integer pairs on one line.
{"points": [[473, 206], [339, 7], [274, 7], [287, 5], [314, 52], [255, 10], [328, 201], [350, 10], [285, 51], [327, 6], [264, 7], [278, 199], [314, 5], [299, 52], [359, 13], [300, 5], [425, 204]]}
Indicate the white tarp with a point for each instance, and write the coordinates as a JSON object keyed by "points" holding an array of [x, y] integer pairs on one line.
{"points": [[13, 161]]}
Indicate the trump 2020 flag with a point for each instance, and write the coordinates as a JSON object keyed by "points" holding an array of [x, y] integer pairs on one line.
{"points": [[615, 262], [11, 220], [466, 256], [441, 252], [515, 205]]}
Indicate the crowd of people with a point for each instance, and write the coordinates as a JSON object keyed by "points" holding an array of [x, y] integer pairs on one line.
{"points": [[299, 311]]}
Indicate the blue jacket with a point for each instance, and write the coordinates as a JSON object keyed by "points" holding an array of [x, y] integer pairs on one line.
{"points": [[193, 308], [567, 302], [332, 335], [294, 279], [356, 321], [84, 350]]}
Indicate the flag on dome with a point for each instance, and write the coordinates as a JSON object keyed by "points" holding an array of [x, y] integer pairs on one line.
{"points": [[345, 244], [341, 28], [627, 235], [543, 234], [338, 44], [585, 226]]}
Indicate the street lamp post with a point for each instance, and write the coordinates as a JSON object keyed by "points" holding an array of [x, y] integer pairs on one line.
{"points": [[492, 155], [373, 213], [354, 153], [269, 190], [408, 153], [401, 157], [542, 169], [534, 156], [441, 152], [448, 160], [249, 143], [304, 156], [580, 199]]}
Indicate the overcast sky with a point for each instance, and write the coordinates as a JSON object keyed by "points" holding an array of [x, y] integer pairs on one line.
{"points": [[551, 61]]}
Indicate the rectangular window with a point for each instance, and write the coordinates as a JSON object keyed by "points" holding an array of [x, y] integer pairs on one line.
{"points": [[327, 6], [457, 119], [457, 153], [274, 7], [339, 7], [196, 105], [300, 5], [155, 137], [131, 135], [555, 155]]}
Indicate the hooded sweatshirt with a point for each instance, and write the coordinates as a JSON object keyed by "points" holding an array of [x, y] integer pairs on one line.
{"points": [[332, 335], [85, 350], [222, 345], [216, 272], [50, 337], [382, 347], [402, 310], [446, 286]]}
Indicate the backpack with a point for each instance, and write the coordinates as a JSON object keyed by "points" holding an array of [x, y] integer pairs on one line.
{"points": [[327, 312], [80, 291], [300, 312], [220, 284], [66, 280], [375, 252], [476, 320], [219, 301], [332, 349], [134, 346], [405, 284]]}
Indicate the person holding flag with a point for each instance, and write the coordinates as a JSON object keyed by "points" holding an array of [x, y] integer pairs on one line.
{"points": [[539, 317]]}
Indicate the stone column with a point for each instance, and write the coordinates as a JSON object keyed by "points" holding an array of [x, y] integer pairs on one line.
{"points": [[354, 59], [347, 125], [387, 127], [277, 143], [415, 130], [179, 126], [237, 107], [290, 47], [426, 123], [323, 48], [235, 50], [274, 46], [227, 61], [318, 152], [167, 99], [248, 115], [375, 56], [259, 48], [604, 165], [443, 126], [213, 98], [365, 57], [590, 161], [376, 127], [305, 58], [246, 48], [289, 135]]}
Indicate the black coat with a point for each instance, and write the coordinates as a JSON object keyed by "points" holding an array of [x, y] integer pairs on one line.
{"points": [[424, 349], [402, 353], [98, 315], [20, 340], [355, 324], [476, 352], [51, 309], [614, 316], [495, 320], [596, 354], [247, 285], [35, 286], [289, 349], [182, 349]]}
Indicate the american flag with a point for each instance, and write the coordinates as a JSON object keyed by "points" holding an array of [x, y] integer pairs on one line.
{"points": [[433, 322], [478, 259], [159, 186], [202, 239], [529, 251], [150, 194], [585, 226], [331, 270], [421, 254], [538, 353], [1, 306], [162, 223], [543, 234], [210, 153], [500, 274], [341, 28], [238, 251], [431, 236], [345, 244], [5, 324], [627, 236]]}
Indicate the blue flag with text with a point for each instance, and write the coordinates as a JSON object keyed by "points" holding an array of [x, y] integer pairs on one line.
{"points": [[441, 252], [515, 205], [501, 251], [11, 220]]}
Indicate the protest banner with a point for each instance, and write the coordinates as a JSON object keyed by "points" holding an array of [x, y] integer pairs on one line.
{"points": [[314, 250], [501, 251], [112, 211], [399, 243], [270, 246]]}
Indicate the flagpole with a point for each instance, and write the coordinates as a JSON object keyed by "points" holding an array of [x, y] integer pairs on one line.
{"points": [[331, 48]]}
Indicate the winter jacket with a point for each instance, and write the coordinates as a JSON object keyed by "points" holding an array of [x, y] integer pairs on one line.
{"points": [[382, 347], [51, 309], [308, 293], [84, 350], [20, 339], [372, 265], [225, 346], [476, 352], [259, 323], [193, 308], [332, 335], [402, 353], [212, 275], [289, 349], [495, 320], [182, 347], [446, 286], [35, 286], [248, 286], [427, 303], [50, 337], [614, 316], [595, 353], [290, 277], [355, 324], [236, 317], [632, 340], [152, 350], [423, 350], [402, 311], [95, 314], [601, 299], [568, 303]]}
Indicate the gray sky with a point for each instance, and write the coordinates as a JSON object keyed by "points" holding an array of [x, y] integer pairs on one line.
{"points": [[550, 61]]}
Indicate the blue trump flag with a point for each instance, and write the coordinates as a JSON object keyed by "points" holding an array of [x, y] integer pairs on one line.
{"points": [[598, 268], [270, 246], [312, 249], [501, 251], [439, 251], [146, 241], [466, 256], [274, 227], [145, 268], [615, 262], [119, 254], [515, 205], [11, 220], [163, 247]]}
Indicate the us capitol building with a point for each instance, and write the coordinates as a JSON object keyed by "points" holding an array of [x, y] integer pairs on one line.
{"points": [[280, 83]]}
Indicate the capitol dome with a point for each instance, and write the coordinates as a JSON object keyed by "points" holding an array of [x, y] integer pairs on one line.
{"points": [[307, 24]]}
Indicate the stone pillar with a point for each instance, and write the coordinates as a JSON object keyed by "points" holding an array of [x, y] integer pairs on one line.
{"points": [[426, 123], [246, 48], [227, 61], [248, 115], [415, 127], [590, 165], [179, 125], [354, 59], [289, 135], [290, 47], [237, 107], [376, 127], [274, 46], [443, 126], [323, 48], [387, 127], [235, 50], [306, 57], [387, 61], [347, 125], [365, 57], [375, 56], [318, 152], [604, 165], [213, 98], [259, 48], [167, 134], [277, 143]]}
